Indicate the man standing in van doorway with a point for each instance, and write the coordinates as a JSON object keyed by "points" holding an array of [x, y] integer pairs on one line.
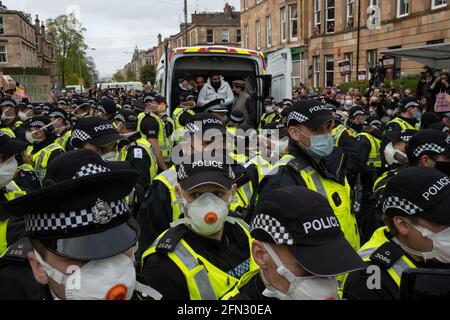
{"points": [[243, 103], [215, 88]]}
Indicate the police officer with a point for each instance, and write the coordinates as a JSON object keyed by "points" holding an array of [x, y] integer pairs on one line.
{"points": [[182, 114], [8, 116], [415, 209], [81, 108], [315, 163], [161, 205], [98, 245], [9, 190], [409, 117], [207, 254], [61, 127], [105, 109], [99, 135], [299, 247], [135, 149], [42, 147], [270, 114], [151, 126], [218, 109]]}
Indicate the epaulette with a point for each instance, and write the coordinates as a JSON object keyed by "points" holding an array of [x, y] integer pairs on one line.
{"points": [[387, 255], [18, 251], [170, 239]]}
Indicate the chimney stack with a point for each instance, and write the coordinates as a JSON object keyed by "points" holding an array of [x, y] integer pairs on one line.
{"points": [[37, 23], [43, 30], [228, 10], [159, 39]]}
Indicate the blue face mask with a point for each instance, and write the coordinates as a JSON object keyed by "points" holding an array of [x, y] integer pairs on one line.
{"points": [[418, 115], [321, 146]]}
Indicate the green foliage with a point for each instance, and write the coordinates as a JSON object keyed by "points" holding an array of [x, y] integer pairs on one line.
{"points": [[148, 73], [409, 82], [118, 77], [131, 75], [69, 41]]}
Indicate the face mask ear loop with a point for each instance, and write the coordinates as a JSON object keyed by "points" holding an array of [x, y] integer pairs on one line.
{"points": [[54, 274], [282, 270]]}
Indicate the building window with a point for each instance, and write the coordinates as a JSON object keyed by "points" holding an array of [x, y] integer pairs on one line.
{"points": [[350, 14], [293, 22], [246, 36], [225, 36], [238, 35], [316, 63], [349, 57], [210, 35], [258, 1], [245, 4], [374, 2], [283, 25], [258, 34], [329, 71], [268, 32], [2, 26], [317, 17], [431, 42], [402, 8], [330, 16], [436, 4], [3, 56]]}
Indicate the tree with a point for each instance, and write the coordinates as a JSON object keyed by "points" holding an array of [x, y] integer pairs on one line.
{"points": [[131, 75], [118, 76], [94, 75], [68, 37], [148, 74]]}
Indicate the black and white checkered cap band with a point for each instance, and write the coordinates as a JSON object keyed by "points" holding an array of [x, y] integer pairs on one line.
{"points": [[80, 134], [90, 169], [300, 118], [401, 204], [192, 128], [406, 138], [38, 124], [56, 114], [428, 147], [274, 228], [120, 118], [75, 219]]}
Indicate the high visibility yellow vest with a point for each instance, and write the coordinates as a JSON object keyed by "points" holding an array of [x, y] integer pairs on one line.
{"points": [[176, 116], [169, 179], [377, 240], [7, 131], [64, 139], [163, 141], [375, 145], [40, 159], [204, 280], [144, 144], [377, 186], [268, 118], [404, 124], [11, 191], [337, 133], [328, 188]]}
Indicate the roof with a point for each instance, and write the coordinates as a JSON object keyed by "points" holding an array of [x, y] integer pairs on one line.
{"points": [[436, 56], [221, 19]]}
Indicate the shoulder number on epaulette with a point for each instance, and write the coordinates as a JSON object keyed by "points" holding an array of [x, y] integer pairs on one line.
{"points": [[387, 254], [169, 241]]}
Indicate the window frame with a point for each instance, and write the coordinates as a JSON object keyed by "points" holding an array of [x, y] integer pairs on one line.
{"points": [[330, 20], [399, 15], [326, 57], [316, 72], [268, 31], [318, 14], [210, 42], [291, 24], [439, 6], [258, 34], [246, 36], [222, 35], [238, 35], [283, 22], [5, 53], [2, 25], [348, 5]]}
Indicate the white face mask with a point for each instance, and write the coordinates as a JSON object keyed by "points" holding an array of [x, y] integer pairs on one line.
{"points": [[280, 147], [207, 213], [110, 156], [348, 103], [441, 244], [127, 135], [390, 112], [7, 171], [269, 109], [393, 155], [107, 279], [4, 117], [301, 288], [23, 116]]}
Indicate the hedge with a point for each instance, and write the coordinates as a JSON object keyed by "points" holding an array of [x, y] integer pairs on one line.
{"points": [[409, 82]]}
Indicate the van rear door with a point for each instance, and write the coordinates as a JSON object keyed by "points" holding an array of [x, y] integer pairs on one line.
{"points": [[279, 65]]}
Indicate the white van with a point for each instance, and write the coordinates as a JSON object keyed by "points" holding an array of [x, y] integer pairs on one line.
{"points": [[232, 63], [121, 85]]}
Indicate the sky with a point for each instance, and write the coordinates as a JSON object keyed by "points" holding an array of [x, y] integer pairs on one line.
{"points": [[116, 27]]}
